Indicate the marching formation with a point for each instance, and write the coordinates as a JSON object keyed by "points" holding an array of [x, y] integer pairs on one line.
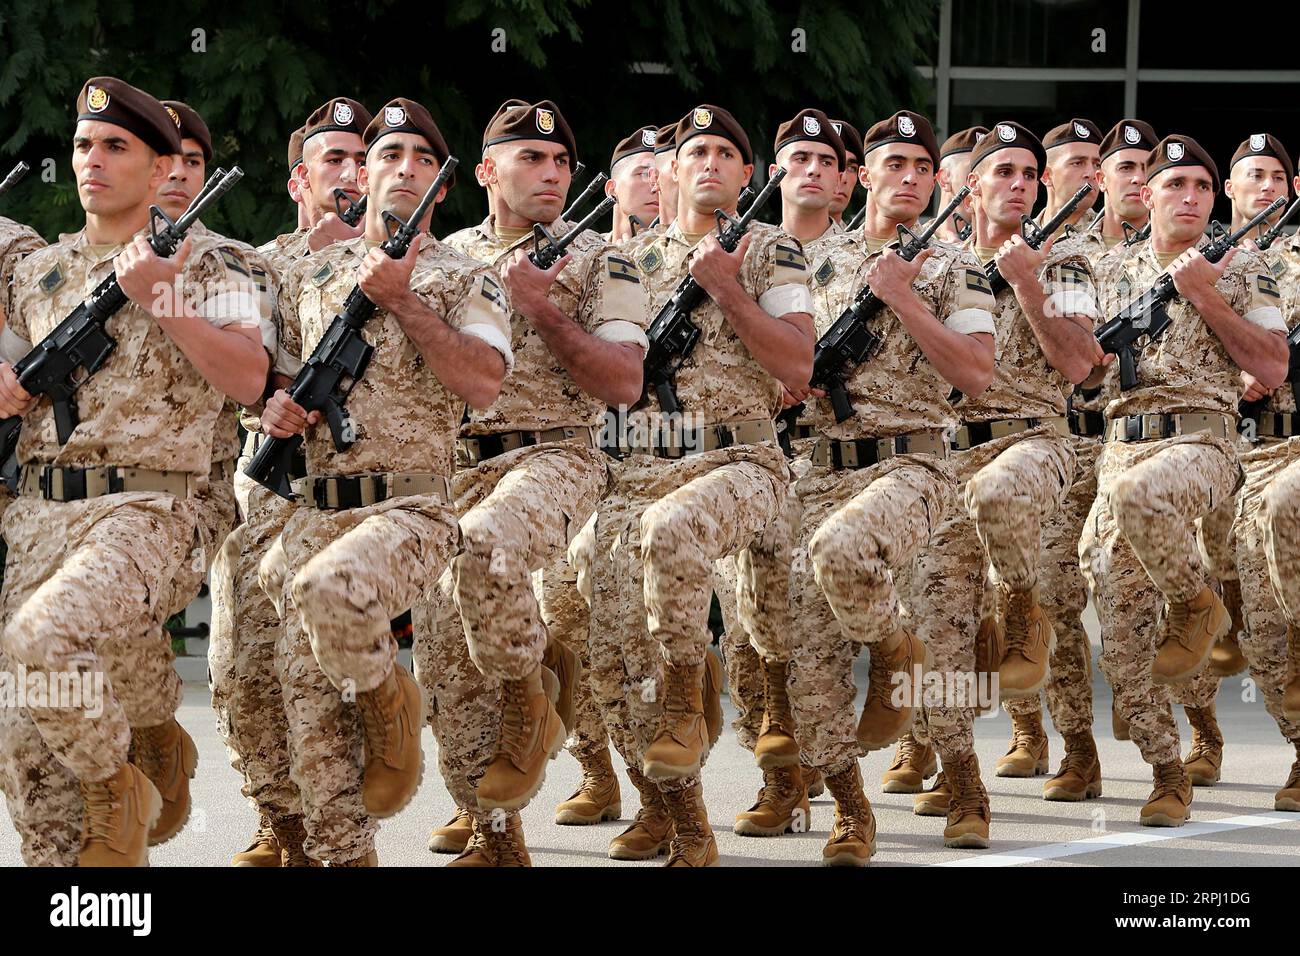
{"points": [[553, 448]]}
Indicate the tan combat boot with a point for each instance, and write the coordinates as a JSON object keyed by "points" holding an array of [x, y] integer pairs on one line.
{"points": [[166, 754], [1226, 659], [990, 648], [598, 798], [370, 859], [968, 811], [566, 665], [531, 734], [1029, 642], [1288, 798], [681, 742], [776, 745], [693, 843], [291, 834], [1291, 692], [1187, 637], [711, 695], [118, 816], [1026, 756], [651, 828], [936, 801], [454, 835], [496, 842], [913, 764], [1080, 775], [813, 780], [1170, 803], [781, 807], [1118, 725], [264, 850], [391, 717], [883, 719], [1204, 761], [852, 841]]}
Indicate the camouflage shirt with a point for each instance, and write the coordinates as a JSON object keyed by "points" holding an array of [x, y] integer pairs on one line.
{"points": [[1188, 368], [404, 419], [16, 241], [1024, 384], [284, 249], [720, 381], [1283, 261], [599, 289], [147, 406]]}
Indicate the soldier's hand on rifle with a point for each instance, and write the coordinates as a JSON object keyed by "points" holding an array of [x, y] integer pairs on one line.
{"points": [[713, 267], [1252, 391], [284, 417], [331, 229], [14, 399], [387, 281], [1020, 263], [528, 285], [140, 271], [891, 276], [1194, 275]]}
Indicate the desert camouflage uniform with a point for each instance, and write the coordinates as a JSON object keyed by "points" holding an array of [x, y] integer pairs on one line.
{"points": [[1138, 549], [90, 583], [350, 571], [860, 531]]}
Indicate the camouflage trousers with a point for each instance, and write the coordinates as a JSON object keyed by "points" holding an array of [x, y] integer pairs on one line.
{"points": [[349, 574], [743, 666], [1137, 552], [1063, 594], [88, 587], [658, 536], [859, 534], [246, 628], [1280, 520], [522, 509]]}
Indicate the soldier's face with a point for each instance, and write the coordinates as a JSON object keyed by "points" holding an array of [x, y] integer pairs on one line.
{"points": [[636, 186], [1255, 182], [330, 161], [901, 178], [399, 170], [185, 179], [1005, 185], [952, 176], [812, 173], [667, 185], [710, 173], [116, 170], [845, 183], [533, 177], [1070, 166], [1123, 174], [1180, 199]]}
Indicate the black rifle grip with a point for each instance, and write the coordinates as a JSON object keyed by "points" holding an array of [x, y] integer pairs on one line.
{"points": [[65, 418], [840, 403], [667, 396], [1127, 369]]}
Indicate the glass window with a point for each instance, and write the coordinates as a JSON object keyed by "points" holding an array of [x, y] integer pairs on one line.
{"points": [[1038, 33]]}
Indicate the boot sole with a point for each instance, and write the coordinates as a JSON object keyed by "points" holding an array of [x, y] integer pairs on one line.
{"points": [[902, 786], [1163, 820], [657, 770], [517, 803], [967, 841], [929, 810], [817, 791], [1061, 794], [446, 845], [1038, 770], [751, 829], [1287, 805], [1200, 780], [571, 818], [847, 858], [633, 855], [1184, 676], [770, 761]]}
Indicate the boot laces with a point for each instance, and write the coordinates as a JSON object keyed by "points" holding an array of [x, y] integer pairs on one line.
{"points": [[778, 699], [101, 806], [1205, 733], [504, 846], [373, 724], [688, 829], [909, 753], [1293, 781], [264, 835], [967, 789], [1078, 757], [515, 718], [1177, 620], [676, 704], [1025, 734], [1017, 622], [777, 787], [880, 673], [1169, 778], [148, 750]]}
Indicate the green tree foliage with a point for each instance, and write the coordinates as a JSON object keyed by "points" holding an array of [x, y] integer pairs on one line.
{"points": [[265, 66]]}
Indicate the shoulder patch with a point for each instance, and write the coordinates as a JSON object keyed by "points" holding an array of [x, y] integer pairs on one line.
{"points": [[233, 262], [492, 292], [324, 272], [1267, 285], [1073, 274], [1279, 267], [650, 260], [260, 279], [824, 271], [1124, 286], [52, 280], [621, 269], [791, 257], [977, 281]]}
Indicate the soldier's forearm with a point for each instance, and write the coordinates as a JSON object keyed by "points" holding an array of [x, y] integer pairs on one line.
{"points": [[232, 359], [466, 365]]}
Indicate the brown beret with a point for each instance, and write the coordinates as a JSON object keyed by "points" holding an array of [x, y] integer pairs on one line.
{"points": [[963, 141], [401, 115], [1129, 134], [642, 141], [191, 125], [1264, 144], [666, 139], [712, 121], [1179, 150], [339, 114], [1075, 131], [851, 137], [515, 119], [295, 148], [110, 100], [1008, 135], [903, 127], [812, 126]]}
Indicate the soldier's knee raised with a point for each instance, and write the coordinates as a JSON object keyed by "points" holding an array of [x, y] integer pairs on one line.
{"points": [[841, 548], [663, 533]]}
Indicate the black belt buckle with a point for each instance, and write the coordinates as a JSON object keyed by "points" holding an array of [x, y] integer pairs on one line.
{"points": [[115, 481], [1132, 428], [979, 433], [724, 436], [489, 446], [74, 483]]}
